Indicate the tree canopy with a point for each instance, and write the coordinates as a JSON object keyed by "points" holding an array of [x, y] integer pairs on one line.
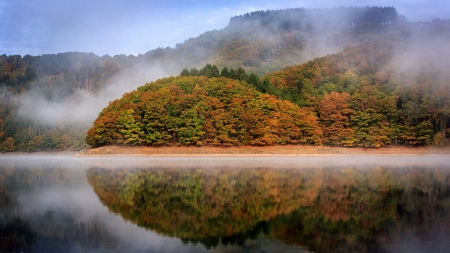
{"points": [[197, 110]]}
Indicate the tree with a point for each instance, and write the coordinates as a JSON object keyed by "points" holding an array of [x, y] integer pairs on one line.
{"points": [[129, 127], [156, 118], [371, 129], [185, 72], [335, 119], [8, 145], [1, 128], [224, 72], [423, 132], [34, 144], [190, 132], [254, 80], [241, 74]]}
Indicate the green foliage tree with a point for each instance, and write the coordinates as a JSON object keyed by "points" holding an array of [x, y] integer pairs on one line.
{"points": [[224, 72], [129, 127], [190, 131], [369, 129], [8, 145]]}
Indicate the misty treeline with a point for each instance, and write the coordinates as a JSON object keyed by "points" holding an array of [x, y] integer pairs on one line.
{"points": [[322, 209], [310, 19], [54, 78], [412, 76]]}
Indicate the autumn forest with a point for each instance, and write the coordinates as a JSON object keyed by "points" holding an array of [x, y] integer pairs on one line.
{"points": [[353, 77]]}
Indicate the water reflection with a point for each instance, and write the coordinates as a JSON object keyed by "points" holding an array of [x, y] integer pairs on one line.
{"points": [[47, 205], [62, 204], [324, 209]]}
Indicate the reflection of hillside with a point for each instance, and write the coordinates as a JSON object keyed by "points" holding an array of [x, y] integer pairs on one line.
{"points": [[196, 203], [323, 209], [355, 210]]}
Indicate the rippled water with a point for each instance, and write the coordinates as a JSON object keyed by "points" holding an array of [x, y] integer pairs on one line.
{"points": [[225, 204]]}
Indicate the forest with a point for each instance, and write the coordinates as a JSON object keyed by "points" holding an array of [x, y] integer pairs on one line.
{"points": [[353, 98], [202, 111], [359, 77]]}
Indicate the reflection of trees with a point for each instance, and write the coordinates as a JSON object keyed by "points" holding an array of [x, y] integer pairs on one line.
{"points": [[355, 209], [324, 209], [196, 203]]}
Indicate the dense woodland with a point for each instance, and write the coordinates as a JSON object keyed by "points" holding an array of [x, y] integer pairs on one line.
{"points": [[363, 99], [203, 111], [353, 98], [358, 81]]}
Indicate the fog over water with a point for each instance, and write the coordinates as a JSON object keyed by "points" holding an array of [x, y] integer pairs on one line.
{"points": [[57, 197], [267, 162], [58, 161], [78, 203]]}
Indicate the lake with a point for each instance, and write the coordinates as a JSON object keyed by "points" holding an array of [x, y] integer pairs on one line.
{"points": [[224, 204]]}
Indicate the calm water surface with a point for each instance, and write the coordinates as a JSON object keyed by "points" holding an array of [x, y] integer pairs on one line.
{"points": [[257, 204]]}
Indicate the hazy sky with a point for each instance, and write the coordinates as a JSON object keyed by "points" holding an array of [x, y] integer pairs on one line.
{"points": [[137, 26]]}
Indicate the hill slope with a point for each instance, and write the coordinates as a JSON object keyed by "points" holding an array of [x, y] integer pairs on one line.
{"points": [[379, 93], [201, 110], [37, 92]]}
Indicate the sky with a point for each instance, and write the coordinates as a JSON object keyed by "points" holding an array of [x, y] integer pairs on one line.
{"points": [[137, 26]]}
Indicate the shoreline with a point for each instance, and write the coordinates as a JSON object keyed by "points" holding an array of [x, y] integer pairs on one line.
{"points": [[242, 151]]}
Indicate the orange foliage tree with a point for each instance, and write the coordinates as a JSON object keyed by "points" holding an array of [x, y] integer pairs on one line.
{"points": [[335, 119]]}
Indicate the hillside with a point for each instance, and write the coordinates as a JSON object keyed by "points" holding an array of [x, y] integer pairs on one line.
{"points": [[202, 111], [48, 102], [390, 91], [387, 92]]}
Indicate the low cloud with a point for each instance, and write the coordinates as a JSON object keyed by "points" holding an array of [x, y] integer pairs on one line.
{"points": [[83, 107]]}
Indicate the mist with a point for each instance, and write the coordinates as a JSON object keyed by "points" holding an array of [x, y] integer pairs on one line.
{"points": [[65, 212], [81, 205], [53, 195], [60, 202], [422, 54], [83, 106], [263, 162]]}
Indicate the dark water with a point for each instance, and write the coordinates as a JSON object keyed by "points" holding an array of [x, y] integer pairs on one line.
{"points": [[259, 204]]}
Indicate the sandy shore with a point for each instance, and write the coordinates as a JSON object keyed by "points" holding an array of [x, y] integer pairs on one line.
{"points": [[289, 150]]}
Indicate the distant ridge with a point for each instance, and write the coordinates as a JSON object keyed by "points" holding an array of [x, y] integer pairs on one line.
{"points": [[303, 19]]}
